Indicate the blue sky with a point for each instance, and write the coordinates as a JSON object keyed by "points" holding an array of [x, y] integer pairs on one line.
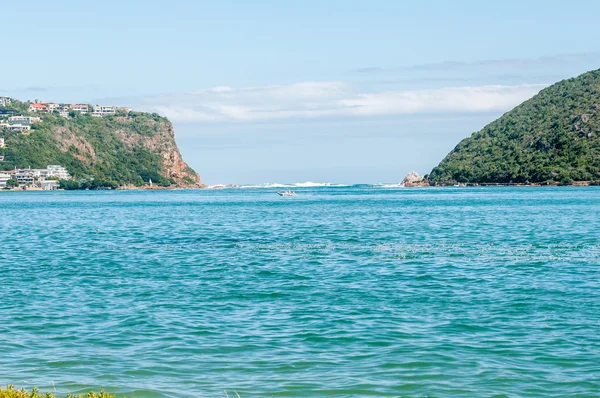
{"points": [[330, 91]]}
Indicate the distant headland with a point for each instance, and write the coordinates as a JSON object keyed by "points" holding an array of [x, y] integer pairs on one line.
{"points": [[45, 145], [551, 139]]}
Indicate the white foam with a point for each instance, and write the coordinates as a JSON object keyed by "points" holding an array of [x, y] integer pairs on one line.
{"points": [[307, 184], [267, 185], [400, 185]]}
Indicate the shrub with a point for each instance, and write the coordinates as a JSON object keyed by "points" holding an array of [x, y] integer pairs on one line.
{"points": [[11, 392]]}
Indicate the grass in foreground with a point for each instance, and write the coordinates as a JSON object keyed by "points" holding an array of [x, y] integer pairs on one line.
{"points": [[11, 392]]}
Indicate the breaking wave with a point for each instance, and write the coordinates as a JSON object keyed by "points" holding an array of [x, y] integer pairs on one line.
{"points": [[307, 184], [399, 185]]}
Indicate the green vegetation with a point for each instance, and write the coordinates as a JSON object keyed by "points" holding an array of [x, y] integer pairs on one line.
{"points": [[552, 138], [21, 108], [70, 185], [124, 149], [11, 392], [12, 183]]}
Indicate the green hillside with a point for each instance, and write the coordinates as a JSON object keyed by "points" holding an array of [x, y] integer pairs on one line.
{"points": [[553, 137], [124, 149]]}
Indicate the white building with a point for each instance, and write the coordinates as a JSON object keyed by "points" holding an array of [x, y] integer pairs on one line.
{"points": [[2, 143], [40, 176], [49, 185], [15, 127], [100, 111], [5, 101], [51, 171], [83, 109], [3, 179], [24, 176], [52, 107], [23, 119], [63, 111], [58, 171]]}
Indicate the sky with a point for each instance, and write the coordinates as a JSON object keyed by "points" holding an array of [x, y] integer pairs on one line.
{"points": [[324, 91]]}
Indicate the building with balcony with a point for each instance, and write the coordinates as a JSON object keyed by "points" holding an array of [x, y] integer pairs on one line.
{"points": [[58, 171], [52, 107], [23, 119], [81, 108], [15, 127], [100, 111], [4, 177], [24, 176]]}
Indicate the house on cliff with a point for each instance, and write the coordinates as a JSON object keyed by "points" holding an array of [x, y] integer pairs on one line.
{"points": [[37, 107]]}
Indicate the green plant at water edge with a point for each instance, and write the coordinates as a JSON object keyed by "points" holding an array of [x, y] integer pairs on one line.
{"points": [[11, 392]]}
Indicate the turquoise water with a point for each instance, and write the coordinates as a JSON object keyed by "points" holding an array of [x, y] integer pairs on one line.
{"points": [[346, 291]]}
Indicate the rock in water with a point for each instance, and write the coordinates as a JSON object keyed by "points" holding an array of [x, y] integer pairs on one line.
{"points": [[412, 179]]}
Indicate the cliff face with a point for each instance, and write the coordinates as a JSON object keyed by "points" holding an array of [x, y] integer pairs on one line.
{"points": [[162, 142], [173, 165], [126, 149], [553, 137]]}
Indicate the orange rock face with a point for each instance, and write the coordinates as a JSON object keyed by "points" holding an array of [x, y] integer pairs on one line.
{"points": [[156, 135]]}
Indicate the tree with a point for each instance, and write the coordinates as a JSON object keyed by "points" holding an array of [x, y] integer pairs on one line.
{"points": [[68, 185]]}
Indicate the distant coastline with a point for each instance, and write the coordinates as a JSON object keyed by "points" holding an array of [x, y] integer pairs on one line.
{"points": [[97, 146], [423, 185]]}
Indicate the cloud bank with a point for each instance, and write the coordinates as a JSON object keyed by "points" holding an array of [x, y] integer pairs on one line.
{"points": [[311, 100]]}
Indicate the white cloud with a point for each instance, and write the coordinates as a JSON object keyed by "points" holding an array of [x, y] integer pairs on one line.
{"points": [[220, 89], [329, 99], [456, 99]]}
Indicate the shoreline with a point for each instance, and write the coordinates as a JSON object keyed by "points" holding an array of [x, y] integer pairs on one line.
{"points": [[423, 185], [498, 184], [94, 190]]}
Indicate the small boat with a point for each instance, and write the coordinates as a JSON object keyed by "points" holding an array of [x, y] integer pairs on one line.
{"points": [[287, 193]]}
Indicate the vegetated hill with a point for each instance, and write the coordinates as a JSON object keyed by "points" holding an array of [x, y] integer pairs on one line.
{"points": [[124, 149], [553, 137]]}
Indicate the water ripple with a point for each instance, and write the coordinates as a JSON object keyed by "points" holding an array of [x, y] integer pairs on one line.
{"points": [[341, 291]]}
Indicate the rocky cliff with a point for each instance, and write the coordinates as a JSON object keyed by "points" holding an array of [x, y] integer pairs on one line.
{"points": [[413, 179], [128, 149]]}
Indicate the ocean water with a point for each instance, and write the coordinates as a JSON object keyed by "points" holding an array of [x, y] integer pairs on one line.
{"points": [[338, 292]]}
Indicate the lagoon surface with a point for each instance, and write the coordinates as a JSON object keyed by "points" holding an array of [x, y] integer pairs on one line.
{"points": [[339, 292]]}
